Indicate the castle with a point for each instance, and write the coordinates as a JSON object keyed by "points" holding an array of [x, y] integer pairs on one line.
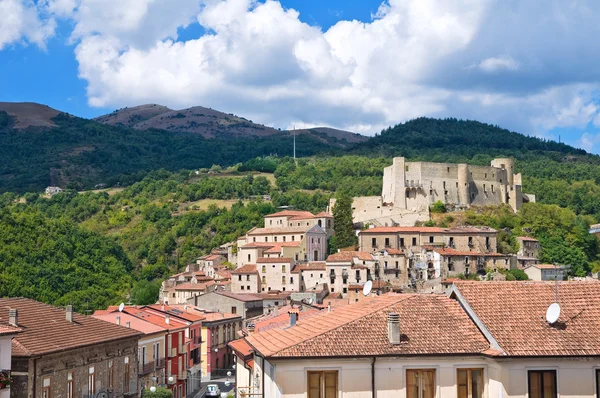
{"points": [[410, 188]]}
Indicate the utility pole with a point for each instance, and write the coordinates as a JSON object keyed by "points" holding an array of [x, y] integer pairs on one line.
{"points": [[294, 133]]}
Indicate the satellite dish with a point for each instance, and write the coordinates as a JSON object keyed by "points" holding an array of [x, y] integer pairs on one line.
{"points": [[553, 313], [102, 394], [121, 307], [367, 288]]}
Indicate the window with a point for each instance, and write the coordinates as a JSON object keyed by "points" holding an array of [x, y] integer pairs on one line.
{"points": [[469, 383], [70, 388], [374, 242], [597, 382], [111, 369], [431, 239], [283, 268], [484, 189], [270, 222], [420, 383], [323, 384], [46, 388], [91, 381], [292, 280], [542, 383], [242, 287], [248, 287], [407, 194], [470, 241], [264, 279], [492, 189], [414, 241], [275, 239], [401, 242], [293, 238], [254, 239], [387, 242], [266, 238], [283, 280], [284, 238], [248, 257], [247, 277], [345, 290], [264, 269]]}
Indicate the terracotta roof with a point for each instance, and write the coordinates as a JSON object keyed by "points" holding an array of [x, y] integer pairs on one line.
{"points": [[439, 327], [262, 260], [210, 317], [241, 348], [546, 266], [246, 269], [515, 314], [528, 239], [156, 318], [225, 274], [194, 286], [324, 214], [393, 251], [240, 296], [134, 322], [203, 278], [282, 230], [310, 266], [446, 251], [349, 255], [212, 257], [424, 230], [6, 329], [377, 284], [260, 244], [291, 213], [271, 321], [37, 319], [275, 295], [278, 246], [182, 311]]}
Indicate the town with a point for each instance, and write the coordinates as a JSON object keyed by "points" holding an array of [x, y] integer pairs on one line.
{"points": [[410, 310]]}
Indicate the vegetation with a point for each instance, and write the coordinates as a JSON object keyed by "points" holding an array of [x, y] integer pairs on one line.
{"points": [[438, 207], [161, 392], [342, 223]]}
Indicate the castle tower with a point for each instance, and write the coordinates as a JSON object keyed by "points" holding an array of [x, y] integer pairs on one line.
{"points": [[463, 185], [507, 164]]}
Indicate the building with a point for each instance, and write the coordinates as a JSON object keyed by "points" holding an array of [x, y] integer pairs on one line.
{"points": [[50, 191], [151, 347], [476, 239], [348, 267], [276, 274], [7, 332], [297, 218], [189, 343], [59, 353], [245, 279], [545, 272], [474, 343], [311, 274], [174, 343], [218, 330], [410, 188], [595, 229], [529, 251], [246, 305], [446, 262]]}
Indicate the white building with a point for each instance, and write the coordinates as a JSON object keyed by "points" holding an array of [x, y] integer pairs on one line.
{"points": [[7, 332]]}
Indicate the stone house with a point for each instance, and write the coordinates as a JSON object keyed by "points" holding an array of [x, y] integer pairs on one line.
{"points": [[452, 262], [297, 218], [529, 251], [243, 304], [210, 263], [61, 353], [245, 279], [392, 267], [478, 239], [151, 346], [348, 267], [276, 274], [311, 274], [545, 272]]}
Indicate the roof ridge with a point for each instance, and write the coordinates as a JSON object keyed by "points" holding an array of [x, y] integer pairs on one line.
{"points": [[364, 303]]}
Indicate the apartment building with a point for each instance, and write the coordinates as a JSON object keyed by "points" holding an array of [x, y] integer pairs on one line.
{"points": [[243, 304], [246, 279], [218, 330], [471, 344], [59, 353], [348, 267], [151, 346], [276, 274], [529, 251], [446, 262], [297, 218]]}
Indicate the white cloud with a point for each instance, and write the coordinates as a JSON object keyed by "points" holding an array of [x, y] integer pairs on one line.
{"points": [[588, 141], [532, 68], [21, 22], [495, 64]]}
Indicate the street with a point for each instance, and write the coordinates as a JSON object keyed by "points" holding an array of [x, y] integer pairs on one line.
{"points": [[218, 382]]}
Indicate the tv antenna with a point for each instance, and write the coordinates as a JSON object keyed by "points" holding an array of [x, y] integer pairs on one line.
{"points": [[294, 134], [367, 288], [121, 307]]}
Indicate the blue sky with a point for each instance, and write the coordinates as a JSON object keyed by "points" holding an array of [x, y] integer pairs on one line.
{"points": [[357, 65]]}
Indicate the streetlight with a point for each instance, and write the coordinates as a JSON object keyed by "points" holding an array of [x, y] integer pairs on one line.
{"points": [[171, 379], [152, 389], [233, 366], [216, 350]]}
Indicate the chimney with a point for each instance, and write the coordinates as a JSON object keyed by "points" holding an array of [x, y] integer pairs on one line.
{"points": [[293, 318], [13, 317], [118, 320], [276, 310], [162, 307], [128, 324], [250, 328], [69, 313], [394, 328], [167, 320], [329, 306]]}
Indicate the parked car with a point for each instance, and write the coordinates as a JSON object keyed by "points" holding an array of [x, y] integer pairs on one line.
{"points": [[212, 390]]}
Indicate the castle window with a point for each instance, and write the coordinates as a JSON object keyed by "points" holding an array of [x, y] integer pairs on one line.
{"points": [[457, 185], [448, 169], [407, 194], [485, 175], [492, 189], [406, 168], [431, 192], [275, 239], [444, 184], [484, 189]]}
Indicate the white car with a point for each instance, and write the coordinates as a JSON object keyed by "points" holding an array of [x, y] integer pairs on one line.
{"points": [[212, 390]]}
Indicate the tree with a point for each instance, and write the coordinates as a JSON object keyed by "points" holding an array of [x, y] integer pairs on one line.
{"points": [[161, 392], [438, 207], [145, 292], [343, 225]]}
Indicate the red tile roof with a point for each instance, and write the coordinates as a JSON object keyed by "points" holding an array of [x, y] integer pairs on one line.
{"points": [[182, 311], [291, 213], [527, 239], [280, 231], [278, 246], [282, 319], [446, 251], [349, 255], [324, 214], [225, 274], [393, 252], [135, 323], [439, 327], [425, 230], [37, 320], [515, 314], [246, 269], [246, 297], [156, 318], [546, 266], [259, 244], [264, 260], [241, 348], [210, 317], [310, 266], [6, 329]]}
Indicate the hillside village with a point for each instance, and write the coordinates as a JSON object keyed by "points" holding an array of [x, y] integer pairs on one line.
{"points": [[255, 310]]}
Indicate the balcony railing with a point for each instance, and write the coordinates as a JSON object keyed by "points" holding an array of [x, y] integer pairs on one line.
{"points": [[183, 348], [149, 367], [173, 352], [182, 375]]}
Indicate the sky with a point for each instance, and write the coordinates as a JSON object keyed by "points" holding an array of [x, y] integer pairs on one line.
{"points": [[527, 65]]}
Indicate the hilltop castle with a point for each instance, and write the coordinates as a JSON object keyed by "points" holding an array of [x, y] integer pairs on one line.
{"points": [[409, 188]]}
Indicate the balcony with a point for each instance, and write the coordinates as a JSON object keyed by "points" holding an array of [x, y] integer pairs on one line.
{"points": [[149, 367], [172, 352], [182, 375], [183, 348]]}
